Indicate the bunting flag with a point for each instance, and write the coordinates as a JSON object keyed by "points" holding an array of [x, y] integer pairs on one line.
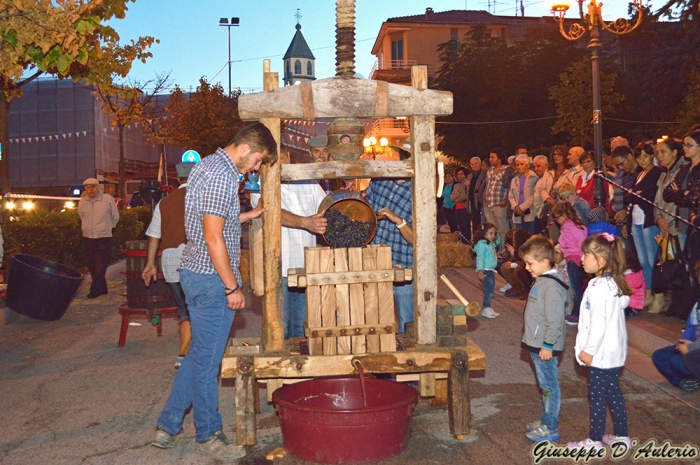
{"points": [[64, 136], [43, 138], [84, 133]]}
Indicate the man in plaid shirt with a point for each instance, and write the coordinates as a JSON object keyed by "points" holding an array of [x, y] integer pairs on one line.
{"points": [[495, 194], [211, 280], [394, 198]]}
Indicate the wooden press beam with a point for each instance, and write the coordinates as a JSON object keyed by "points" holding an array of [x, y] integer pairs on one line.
{"points": [[347, 170], [424, 218], [272, 305], [340, 97]]}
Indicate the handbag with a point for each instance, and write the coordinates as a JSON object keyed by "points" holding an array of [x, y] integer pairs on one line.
{"points": [[669, 274]]}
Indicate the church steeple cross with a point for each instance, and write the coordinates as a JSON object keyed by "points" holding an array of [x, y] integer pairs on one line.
{"points": [[297, 15]]}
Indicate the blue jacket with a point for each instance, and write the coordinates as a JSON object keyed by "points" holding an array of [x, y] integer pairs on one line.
{"points": [[486, 258]]}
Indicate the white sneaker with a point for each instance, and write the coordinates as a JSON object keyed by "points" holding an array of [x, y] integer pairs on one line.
{"points": [[488, 312], [505, 288]]}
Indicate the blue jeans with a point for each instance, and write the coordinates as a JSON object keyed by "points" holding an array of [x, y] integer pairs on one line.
{"points": [[646, 247], [294, 310], [576, 275], [180, 300], [548, 379], [403, 297], [669, 362], [196, 381], [528, 226], [489, 284]]}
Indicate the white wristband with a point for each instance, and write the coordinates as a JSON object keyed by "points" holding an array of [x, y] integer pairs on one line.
{"points": [[402, 224]]}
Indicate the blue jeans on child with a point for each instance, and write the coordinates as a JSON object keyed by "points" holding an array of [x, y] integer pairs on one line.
{"points": [[196, 380], [548, 379], [489, 284], [294, 310]]}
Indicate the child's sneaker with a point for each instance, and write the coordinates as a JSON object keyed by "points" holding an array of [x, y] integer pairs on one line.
{"points": [[488, 312], [689, 385], [542, 433], [505, 288], [572, 320], [587, 445], [612, 439], [533, 426]]}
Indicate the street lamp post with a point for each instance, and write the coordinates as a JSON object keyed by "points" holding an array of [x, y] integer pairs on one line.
{"points": [[593, 22], [224, 23]]}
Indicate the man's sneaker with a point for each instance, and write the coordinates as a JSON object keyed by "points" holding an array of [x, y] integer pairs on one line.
{"points": [[542, 433], [572, 320], [612, 439], [164, 440], [587, 445], [219, 446], [689, 385], [488, 312], [178, 361], [505, 288], [533, 426]]}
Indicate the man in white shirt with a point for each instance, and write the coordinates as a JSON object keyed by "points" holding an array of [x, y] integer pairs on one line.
{"points": [[300, 225]]}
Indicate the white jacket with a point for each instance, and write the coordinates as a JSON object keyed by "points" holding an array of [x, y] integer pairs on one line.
{"points": [[601, 325]]}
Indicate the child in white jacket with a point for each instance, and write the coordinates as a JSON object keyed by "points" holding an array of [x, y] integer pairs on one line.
{"points": [[601, 343]]}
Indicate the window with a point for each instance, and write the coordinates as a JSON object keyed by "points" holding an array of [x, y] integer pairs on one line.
{"points": [[297, 67], [397, 53], [289, 71], [308, 68]]}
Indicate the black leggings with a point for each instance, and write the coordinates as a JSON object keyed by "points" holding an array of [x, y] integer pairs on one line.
{"points": [[604, 388]]}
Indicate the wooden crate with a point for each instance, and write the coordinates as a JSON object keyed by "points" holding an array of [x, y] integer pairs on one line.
{"points": [[349, 299]]}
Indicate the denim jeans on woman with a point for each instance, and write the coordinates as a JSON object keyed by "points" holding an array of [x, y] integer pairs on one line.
{"points": [[646, 247], [576, 275], [196, 380]]}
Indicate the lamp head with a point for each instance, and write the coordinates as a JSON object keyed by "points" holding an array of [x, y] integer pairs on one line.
{"points": [[559, 8]]}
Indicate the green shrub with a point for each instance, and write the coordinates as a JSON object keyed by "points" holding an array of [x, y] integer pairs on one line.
{"points": [[57, 236]]}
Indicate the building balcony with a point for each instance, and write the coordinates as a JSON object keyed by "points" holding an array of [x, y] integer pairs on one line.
{"points": [[395, 71]]}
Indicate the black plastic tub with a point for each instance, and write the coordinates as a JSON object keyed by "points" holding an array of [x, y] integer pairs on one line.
{"points": [[40, 288]]}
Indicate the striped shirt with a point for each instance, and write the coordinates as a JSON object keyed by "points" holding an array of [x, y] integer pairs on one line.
{"points": [[212, 189], [397, 197]]}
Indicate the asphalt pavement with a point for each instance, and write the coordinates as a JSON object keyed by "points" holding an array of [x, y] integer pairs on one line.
{"points": [[68, 395]]}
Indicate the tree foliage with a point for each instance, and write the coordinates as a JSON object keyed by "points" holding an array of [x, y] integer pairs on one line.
{"points": [[203, 120], [573, 97], [689, 112], [64, 38], [494, 82]]}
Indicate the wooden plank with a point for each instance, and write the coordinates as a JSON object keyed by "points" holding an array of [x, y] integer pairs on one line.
{"points": [[245, 402], [351, 330], [342, 300], [272, 303], [328, 318], [338, 97], [357, 301], [369, 262], [313, 299], [459, 408], [257, 270], [426, 384], [385, 295], [273, 384], [347, 170], [345, 277], [440, 393]]}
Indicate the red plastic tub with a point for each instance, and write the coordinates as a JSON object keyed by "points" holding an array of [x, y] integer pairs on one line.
{"points": [[325, 420]]}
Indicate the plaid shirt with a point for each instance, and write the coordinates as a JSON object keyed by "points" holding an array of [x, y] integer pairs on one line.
{"points": [[495, 192], [397, 197], [212, 189]]}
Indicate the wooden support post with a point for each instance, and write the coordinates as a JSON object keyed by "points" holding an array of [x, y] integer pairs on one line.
{"points": [[272, 303], [385, 293], [313, 299], [357, 301], [426, 384], [257, 260], [440, 393], [245, 401], [424, 219], [273, 384], [459, 408]]}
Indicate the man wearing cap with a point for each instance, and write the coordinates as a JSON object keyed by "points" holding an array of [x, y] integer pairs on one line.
{"points": [[167, 230], [98, 215]]}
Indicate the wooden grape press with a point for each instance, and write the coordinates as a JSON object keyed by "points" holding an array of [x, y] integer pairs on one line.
{"points": [[355, 274]]}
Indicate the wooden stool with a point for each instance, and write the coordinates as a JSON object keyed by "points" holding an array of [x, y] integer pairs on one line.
{"points": [[127, 313]]}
